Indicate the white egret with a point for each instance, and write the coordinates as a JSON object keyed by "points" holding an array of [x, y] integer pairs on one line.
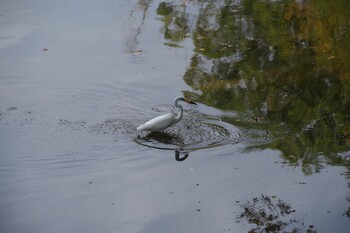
{"points": [[164, 121]]}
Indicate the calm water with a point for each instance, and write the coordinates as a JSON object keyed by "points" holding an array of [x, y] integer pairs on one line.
{"points": [[269, 137]]}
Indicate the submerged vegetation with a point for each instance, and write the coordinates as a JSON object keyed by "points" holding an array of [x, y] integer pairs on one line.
{"points": [[269, 214]]}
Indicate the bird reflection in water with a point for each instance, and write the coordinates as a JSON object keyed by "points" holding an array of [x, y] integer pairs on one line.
{"points": [[181, 155], [164, 141]]}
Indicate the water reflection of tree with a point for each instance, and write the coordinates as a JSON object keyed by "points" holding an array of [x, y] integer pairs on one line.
{"points": [[176, 23], [137, 17], [282, 61]]}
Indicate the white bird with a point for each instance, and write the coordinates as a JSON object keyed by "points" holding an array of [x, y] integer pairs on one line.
{"points": [[164, 121]]}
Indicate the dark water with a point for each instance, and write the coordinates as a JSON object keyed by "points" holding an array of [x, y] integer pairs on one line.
{"points": [[266, 149]]}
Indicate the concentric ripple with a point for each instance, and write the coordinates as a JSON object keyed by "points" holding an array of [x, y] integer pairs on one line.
{"points": [[191, 134], [200, 132]]}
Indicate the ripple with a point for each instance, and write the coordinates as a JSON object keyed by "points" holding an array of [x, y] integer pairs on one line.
{"points": [[163, 108], [115, 126], [255, 136], [191, 134], [201, 132], [195, 131]]}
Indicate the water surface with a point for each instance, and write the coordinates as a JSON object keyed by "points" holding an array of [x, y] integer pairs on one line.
{"points": [[271, 129]]}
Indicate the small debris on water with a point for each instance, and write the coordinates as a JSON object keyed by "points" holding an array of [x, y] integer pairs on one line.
{"points": [[12, 108]]}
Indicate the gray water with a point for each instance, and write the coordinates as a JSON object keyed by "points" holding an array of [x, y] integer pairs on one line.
{"points": [[76, 78]]}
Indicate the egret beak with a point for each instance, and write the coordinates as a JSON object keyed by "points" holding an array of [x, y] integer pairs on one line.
{"points": [[190, 102]]}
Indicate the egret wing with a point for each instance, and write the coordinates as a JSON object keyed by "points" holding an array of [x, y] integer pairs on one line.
{"points": [[158, 123]]}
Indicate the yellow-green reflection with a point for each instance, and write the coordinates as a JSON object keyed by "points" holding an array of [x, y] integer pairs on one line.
{"points": [[283, 63], [175, 20]]}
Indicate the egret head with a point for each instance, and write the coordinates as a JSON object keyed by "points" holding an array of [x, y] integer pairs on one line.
{"points": [[188, 101], [180, 98]]}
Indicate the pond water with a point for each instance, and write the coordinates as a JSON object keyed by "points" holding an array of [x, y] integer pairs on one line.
{"points": [[266, 149]]}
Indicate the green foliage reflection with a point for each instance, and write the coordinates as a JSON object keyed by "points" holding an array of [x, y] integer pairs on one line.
{"points": [[286, 62], [175, 20]]}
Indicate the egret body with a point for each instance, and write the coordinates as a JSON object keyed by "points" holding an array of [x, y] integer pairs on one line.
{"points": [[164, 121]]}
